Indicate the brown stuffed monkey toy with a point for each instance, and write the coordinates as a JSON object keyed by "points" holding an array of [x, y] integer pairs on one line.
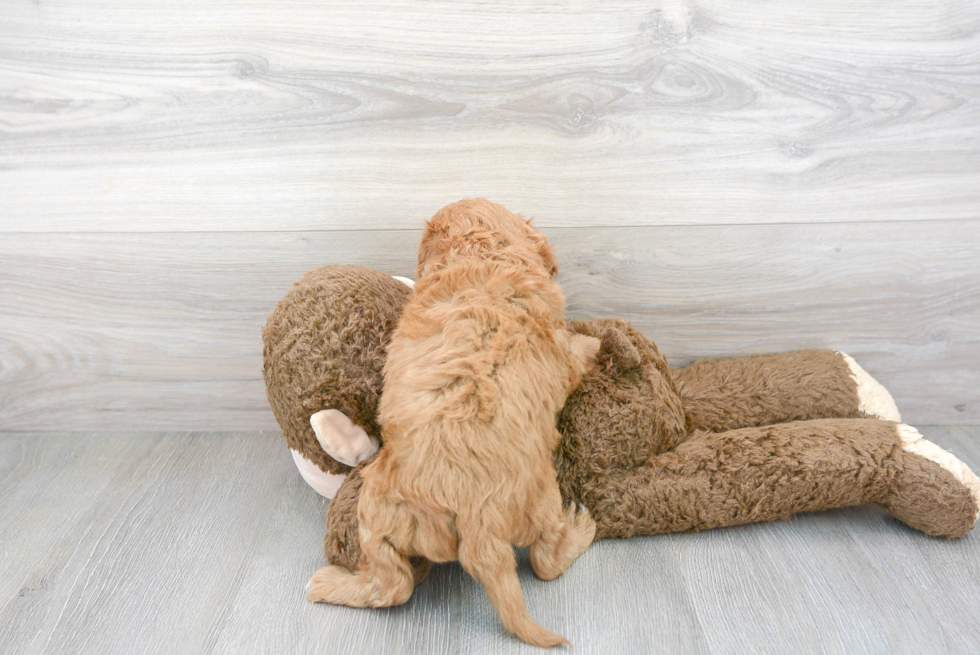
{"points": [[646, 448]]}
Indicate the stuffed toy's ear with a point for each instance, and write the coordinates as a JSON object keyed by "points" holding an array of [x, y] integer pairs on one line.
{"points": [[407, 281], [618, 347], [616, 350], [341, 439]]}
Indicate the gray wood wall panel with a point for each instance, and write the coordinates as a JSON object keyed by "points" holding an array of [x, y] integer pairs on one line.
{"points": [[166, 171], [303, 116], [162, 330]]}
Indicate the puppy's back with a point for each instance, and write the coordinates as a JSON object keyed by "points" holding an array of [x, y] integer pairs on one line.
{"points": [[475, 376]]}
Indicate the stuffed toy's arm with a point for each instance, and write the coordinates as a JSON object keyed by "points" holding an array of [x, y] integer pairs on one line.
{"points": [[341, 542], [767, 389]]}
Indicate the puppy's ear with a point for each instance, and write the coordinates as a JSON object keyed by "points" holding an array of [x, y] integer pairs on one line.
{"points": [[548, 255], [432, 247]]}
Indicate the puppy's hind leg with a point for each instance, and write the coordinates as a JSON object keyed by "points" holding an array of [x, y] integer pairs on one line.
{"points": [[567, 535], [385, 577]]}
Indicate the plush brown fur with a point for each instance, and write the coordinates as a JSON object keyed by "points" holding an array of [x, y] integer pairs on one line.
{"points": [[766, 389], [751, 474], [324, 347], [477, 369]]}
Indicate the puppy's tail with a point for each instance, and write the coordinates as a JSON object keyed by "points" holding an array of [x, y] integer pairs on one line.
{"points": [[491, 561]]}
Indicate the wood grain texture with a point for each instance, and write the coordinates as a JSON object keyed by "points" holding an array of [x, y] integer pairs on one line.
{"points": [[926, 570], [203, 542], [149, 564], [162, 331], [48, 489], [303, 116]]}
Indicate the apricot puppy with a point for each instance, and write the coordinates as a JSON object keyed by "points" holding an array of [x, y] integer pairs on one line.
{"points": [[477, 370]]}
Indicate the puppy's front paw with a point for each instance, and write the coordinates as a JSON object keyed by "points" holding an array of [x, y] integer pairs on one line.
{"points": [[581, 524], [585, 349]]}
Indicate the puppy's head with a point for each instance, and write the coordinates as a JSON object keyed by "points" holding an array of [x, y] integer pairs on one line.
{"points": [[480, 229]]}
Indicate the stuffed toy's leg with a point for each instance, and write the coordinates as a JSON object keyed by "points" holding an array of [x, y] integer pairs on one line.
{"points": [[767, 389], [769, 473]]}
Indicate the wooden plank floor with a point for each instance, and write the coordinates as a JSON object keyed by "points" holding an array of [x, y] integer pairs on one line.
{"points": [[202, 543]]}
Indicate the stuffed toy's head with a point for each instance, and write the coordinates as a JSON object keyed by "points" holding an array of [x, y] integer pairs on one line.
{"points": [[324, 351]]}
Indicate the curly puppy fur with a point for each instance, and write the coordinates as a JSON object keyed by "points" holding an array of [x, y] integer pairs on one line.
{"points": [[477, 370]]}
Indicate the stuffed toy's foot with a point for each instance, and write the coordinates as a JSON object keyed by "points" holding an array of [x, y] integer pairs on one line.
{"points": [[933, 491], [873, 399]]}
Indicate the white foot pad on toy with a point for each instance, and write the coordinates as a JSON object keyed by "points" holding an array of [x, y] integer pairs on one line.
{"points": [[873, 399], [912, 442]]}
